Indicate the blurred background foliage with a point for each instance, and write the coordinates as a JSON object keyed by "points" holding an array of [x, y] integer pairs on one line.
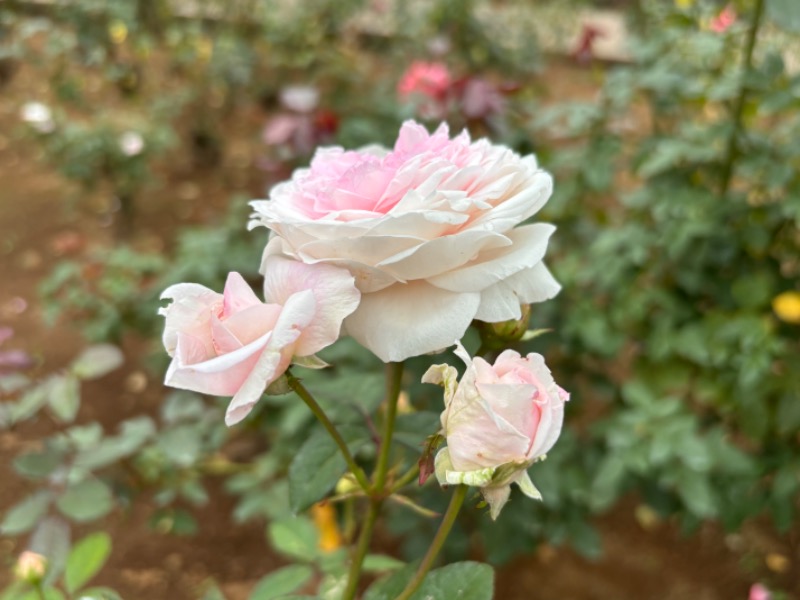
{"points": [[677, 203]]}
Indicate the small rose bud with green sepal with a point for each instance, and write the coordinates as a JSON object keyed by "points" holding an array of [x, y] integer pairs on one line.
{"points": [[498, 421]]}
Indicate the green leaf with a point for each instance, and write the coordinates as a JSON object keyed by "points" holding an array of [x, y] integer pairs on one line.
{"points": [[64, 397], [86, 559], [390, 587], [785, 14], [281, 582], [347, 397], [377, 563], [463, 580], [48, 593], [296, 538], [212, 592], [696, 492], [414, 428], [319, 464], [86, 500], [181, 444], [607, 482], [30, 403], [182, 406], [96, 361], [37, 465], [174, 520], [23, 516], [99, 593], [51, 539]]}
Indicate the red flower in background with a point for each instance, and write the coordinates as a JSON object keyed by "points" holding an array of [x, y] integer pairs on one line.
{"points": [[430, 79]]}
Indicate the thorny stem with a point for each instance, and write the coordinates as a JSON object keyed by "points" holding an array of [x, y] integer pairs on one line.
{"points": [[306, 396], [738, 108], [436, 545]]}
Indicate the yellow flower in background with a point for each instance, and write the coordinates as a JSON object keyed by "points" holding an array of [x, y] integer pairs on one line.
{"points": [[787, 307], [118, 32], [205, 48], [324, 515], [684, 4]]}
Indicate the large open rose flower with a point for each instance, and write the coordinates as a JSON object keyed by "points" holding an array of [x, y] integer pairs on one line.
{"points": [[430, 230], [498, 420], [233, 344]]}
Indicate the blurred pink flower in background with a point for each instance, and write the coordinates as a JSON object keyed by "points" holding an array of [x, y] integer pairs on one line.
{"points": [[429, 78], [759, 592], [480, 99], [723, 21], [12, 360], [584, 48], [428, 84], [301, 128]]}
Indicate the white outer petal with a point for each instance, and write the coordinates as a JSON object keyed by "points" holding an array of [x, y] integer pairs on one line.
{"points": [[411, 319], [529, 244], [501, 302]]}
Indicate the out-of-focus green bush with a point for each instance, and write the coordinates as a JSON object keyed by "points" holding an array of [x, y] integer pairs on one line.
{"points": [[679, 204]]}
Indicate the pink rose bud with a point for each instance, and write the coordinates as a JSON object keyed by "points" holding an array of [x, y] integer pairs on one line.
{"points": [[31, 567], [498, 420], [232, 344]]}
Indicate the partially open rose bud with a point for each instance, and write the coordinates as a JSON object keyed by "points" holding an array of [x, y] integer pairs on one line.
{"points": [[30, 567], [498, 421]]}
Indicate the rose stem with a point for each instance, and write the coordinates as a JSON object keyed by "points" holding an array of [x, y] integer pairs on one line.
{"points": [[362, 548], [438, 541], [394, 375], [407, 477], [306, 396]]}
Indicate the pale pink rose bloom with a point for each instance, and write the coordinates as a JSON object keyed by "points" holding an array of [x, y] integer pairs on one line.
{"points": [[429, 229], [232, 344], [723, 21], [498, 420]]}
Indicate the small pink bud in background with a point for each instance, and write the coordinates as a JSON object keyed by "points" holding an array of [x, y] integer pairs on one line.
{"points": [[131, 143], [30, 567], [759, 592], [38, 116]]}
